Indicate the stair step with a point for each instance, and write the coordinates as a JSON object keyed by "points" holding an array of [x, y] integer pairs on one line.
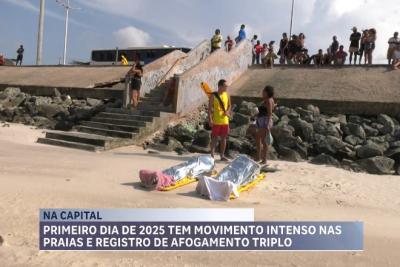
{"points": [[150, 113], [148, 107], [125, 116], [77, 137], [105, 132], [76, 145], [112, 124]]}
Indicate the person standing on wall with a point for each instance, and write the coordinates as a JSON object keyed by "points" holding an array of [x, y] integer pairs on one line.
{"points": [[20, 55], [136, 74], [216, 41], [355, 38], [219, 110], [393, 43], [254, 43]]}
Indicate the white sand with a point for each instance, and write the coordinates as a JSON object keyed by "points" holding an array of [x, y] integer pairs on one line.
{"points": [[34, 176]]}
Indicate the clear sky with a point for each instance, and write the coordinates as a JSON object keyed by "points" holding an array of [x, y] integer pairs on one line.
{"points": [[111, 23]]}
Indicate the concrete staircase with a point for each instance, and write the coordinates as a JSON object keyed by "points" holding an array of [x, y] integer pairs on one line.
{"points": [[117, 127]]}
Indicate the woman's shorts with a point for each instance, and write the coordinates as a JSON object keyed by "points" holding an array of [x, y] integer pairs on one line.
{"points": [[220, 130], [136, 84], [264, 123], [353, 49]]}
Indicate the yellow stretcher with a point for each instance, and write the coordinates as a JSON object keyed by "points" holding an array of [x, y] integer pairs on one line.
{"points": [[183, 182], [249, 186]]}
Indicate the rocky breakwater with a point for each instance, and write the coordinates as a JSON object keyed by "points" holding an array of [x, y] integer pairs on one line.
{"points": [[355, 143], [58, 112]]}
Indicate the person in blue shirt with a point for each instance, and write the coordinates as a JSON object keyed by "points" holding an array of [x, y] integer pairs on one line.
{"points": [[242, 34]]}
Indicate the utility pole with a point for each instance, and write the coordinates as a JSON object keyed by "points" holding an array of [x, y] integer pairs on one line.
{"points": [[67, 7], [291, 20], [40, 33]]}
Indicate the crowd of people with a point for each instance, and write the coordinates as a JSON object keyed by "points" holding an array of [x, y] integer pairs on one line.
{"points": [[292, 50]]}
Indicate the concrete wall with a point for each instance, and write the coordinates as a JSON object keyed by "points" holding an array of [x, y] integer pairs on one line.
{"points": [[194, 57], [219, 65], [354, 107], [155, 71]]}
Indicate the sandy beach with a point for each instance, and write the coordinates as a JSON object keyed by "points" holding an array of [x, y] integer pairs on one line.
{"points": [[34, 176]]}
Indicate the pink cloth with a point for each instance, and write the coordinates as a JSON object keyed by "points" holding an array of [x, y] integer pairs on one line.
{"points": [[155, 179]]}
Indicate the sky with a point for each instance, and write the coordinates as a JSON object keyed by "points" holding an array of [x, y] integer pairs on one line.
{"points": [[123, 23]]}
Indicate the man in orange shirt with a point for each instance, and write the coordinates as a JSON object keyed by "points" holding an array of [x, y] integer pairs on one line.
{"points": [[219, 110]]}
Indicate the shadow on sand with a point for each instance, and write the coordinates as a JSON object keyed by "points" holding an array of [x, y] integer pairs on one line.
{"points": [[158, 156]]}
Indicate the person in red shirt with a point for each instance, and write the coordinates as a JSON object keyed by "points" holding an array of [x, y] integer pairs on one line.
{"points": [[228, 44], [1, 60], [340, 57], [258, 49]]}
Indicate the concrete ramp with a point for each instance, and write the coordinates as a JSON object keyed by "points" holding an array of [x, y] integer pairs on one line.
{"points": [[60, 76], [351, 90]]}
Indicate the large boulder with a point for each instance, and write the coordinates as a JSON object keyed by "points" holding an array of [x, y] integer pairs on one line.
{"points": [[303, 129], [369, 131], [241, 119], [315, 110], [248, 108], [283, 135], [288, 154], [181, 132], [94, 102], [10, 92], [50, 110], [43, 122], [354, 129], [387, 122], [239, 132], [369, 150], [329, 145], [324, 159], [353, 140], [377, 165], [202, 138]]}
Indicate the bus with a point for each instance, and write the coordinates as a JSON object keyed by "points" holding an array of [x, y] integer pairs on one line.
{"points": [[144, 54]]}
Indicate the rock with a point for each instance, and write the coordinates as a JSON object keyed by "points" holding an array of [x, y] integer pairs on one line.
{"points": [[79, 102], [64, 125], [181, 132], [354, 129], [350, 165], [355, 119], [94, 102], [283, 135], [57, 93], [272, 154], [330, 145], [50, 110], [239, 132], [324, 159], [43, 122], [10, 92], [369, 150], [395, 144], [198, 149], [174, 144], [353, 140], [303, 129], [248, 108], [40, 100], [333, 130], [315, 110], [202, 138], [387, 122], [341, 119], [288, 154], [160, 147], [241, 119], [242, 145], [393, 153], [18, 100], [377, 165], [304, 112], [82, 113], [369, 131]]}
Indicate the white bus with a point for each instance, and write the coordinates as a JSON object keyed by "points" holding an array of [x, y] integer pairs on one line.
{"points": [[144, 54]]}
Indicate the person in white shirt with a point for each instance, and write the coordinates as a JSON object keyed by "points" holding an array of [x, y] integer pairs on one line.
{"points": [[253, 44], [393, 43]]}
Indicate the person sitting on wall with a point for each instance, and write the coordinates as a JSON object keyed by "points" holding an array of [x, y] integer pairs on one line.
{"points": [[242, 34], [340, 56], [216, 41], [318, 59], [270, 58], [229, 44]]}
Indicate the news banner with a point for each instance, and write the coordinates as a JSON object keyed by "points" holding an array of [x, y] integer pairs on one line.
{"points": [[189, 230]]}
